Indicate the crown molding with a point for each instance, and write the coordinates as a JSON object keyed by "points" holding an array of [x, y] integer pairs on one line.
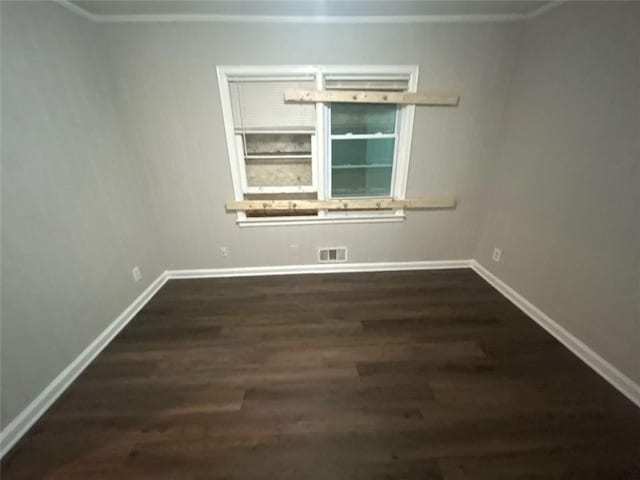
{"points": [[306, 19], [547, 7], [77, 10]]}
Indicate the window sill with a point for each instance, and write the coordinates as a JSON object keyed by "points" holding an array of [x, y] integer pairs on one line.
{"points": [[398, 216]]}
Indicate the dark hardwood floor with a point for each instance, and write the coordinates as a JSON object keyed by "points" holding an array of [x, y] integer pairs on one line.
{"points": [[397, 375]]}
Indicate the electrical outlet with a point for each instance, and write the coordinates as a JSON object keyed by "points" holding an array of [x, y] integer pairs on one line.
{"points": [[136, 273], [294, 250], [224, 252], [497, 253]]}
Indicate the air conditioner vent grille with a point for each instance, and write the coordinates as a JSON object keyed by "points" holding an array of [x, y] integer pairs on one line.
{"points": [[332, 254]]}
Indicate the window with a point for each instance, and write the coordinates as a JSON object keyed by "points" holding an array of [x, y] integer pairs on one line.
{"points": [[363, 140], [280, 150]]}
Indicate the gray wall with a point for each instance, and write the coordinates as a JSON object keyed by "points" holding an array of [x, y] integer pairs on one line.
{"points": [[75, 209], [169, 92], [565, 201]]}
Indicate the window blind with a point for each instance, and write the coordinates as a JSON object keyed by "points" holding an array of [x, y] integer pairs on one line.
{"points": [[259, 105]]}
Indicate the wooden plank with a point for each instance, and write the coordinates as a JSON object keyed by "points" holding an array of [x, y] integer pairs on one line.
{"points": [[364, 96], [343, 204]]}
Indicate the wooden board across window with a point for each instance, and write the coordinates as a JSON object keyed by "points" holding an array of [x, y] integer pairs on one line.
{"points": [[368, 96], [344, 204]]}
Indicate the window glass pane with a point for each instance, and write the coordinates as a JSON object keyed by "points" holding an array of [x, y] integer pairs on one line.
{"points": [[278, 172], [361, 182], [362, 118], [277, 144], [361, 167], [362, 151]]}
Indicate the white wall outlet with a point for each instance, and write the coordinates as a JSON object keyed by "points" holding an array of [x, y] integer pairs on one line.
{"points": [[497, 254], [136, 273], [294, 250], [224, 252]]}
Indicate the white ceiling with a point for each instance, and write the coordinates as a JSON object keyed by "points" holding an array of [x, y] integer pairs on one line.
{"points": [[344, 10]]}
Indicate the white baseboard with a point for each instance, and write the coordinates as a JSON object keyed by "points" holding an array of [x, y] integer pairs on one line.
{"points": [[25, 419], [607, 371], [21, 424], [318, 268]]}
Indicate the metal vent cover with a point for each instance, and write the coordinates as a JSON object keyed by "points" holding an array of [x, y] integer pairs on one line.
{"points": [[332, 254]]}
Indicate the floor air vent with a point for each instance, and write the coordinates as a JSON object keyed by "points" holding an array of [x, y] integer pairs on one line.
{"points": [[332, 254]]}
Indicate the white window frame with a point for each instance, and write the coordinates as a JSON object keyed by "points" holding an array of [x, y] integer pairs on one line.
{"points": [[321, 161]]}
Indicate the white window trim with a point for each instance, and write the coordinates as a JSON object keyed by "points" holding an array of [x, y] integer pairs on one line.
{"points": [[320, 162]]}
